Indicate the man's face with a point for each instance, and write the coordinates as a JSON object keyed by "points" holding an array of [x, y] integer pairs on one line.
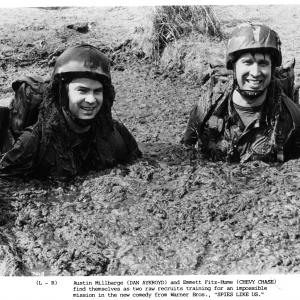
{"points": [[85, 98], [253, 71]]}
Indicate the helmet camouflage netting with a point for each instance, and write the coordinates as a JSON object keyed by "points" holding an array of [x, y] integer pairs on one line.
{"points": [[248, 36]]}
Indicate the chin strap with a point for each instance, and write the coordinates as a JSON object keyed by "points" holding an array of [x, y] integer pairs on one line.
{"points": [[248, 93]]}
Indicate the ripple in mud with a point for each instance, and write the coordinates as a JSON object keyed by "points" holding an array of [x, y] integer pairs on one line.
{"points": [[158, 218]]}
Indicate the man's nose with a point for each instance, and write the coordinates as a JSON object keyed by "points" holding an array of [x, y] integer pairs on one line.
{"points": [[90, 98], [255, 70]]}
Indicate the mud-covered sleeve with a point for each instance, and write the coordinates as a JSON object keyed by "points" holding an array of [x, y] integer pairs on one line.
{"points": [[197, 114], [4, 120], [132, 146], [297, 143], [191, 133], [293, 146], [212, 98], [19, 161]]}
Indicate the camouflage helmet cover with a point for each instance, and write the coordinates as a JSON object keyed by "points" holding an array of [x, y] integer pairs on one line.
{"points": [[249, 36], [83, 61]]}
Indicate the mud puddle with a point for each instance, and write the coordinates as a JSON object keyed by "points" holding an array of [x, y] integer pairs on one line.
{"points": [[170, 214]]}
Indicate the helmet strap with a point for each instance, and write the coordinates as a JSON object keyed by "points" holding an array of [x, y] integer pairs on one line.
{"points": [[63, 94], [249, 94]]}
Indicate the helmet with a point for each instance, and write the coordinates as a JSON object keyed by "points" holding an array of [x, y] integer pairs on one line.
{"points": [[82, 61], [250, 36]]}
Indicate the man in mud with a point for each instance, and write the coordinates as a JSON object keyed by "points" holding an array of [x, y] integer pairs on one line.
{"points": [[249, 117], [75, 131]]}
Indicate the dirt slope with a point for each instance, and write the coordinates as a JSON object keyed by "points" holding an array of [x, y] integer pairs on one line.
{"points": [[169, 213]]}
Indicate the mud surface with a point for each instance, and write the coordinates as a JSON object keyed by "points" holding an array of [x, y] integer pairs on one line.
{"points": [[171, 212]]}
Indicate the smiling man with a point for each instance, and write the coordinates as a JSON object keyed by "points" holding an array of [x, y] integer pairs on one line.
{"points": [[85, 98], [75, 131], [249, 117]]}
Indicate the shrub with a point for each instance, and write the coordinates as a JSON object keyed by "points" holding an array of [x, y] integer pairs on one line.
{"points": [[170, 23]]}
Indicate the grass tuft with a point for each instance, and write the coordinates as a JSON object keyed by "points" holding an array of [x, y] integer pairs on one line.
{"points": [[170, 23]]}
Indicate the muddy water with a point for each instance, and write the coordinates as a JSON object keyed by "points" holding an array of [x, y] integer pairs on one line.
{"points": [[158, 217]]}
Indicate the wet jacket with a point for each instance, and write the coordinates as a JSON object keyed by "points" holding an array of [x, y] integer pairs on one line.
{"points": [[217, 127], [51, 148], [67, 156]]}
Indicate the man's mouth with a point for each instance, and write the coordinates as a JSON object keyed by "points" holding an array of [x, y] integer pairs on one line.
{"points": [[88, 108], [254, 83]]}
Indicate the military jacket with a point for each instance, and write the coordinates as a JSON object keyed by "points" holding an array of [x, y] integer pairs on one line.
{"points": [[66, 153], [221, 134]]}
